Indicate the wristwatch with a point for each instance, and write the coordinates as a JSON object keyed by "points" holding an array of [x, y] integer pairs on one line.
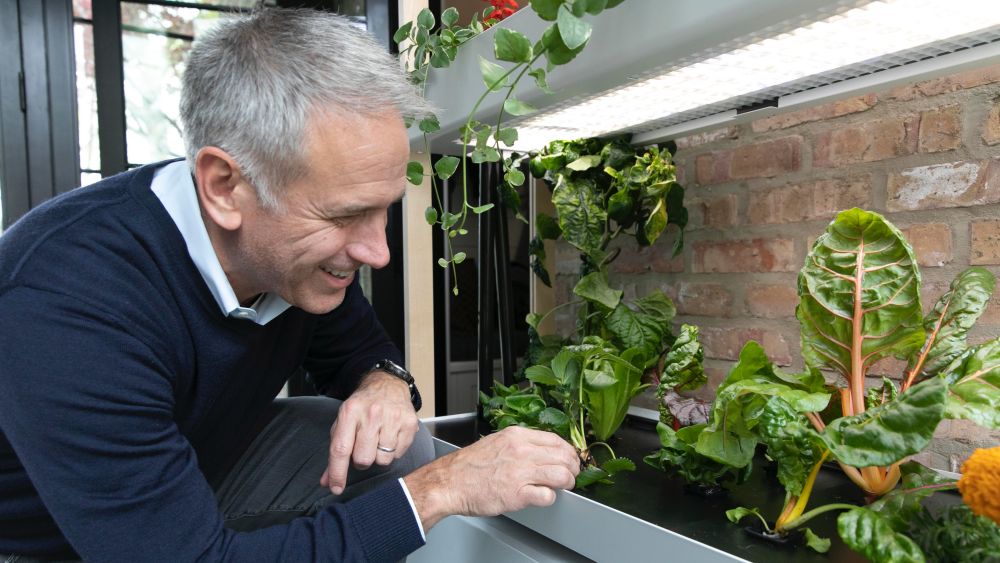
{"points": [[392, 368]]}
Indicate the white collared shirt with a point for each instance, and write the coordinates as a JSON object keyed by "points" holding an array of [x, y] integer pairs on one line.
{"points": [[174, 186]]}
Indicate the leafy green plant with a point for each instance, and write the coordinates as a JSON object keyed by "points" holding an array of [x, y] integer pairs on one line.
{"points": [[581, 387], [429, 44], [859, 301]]}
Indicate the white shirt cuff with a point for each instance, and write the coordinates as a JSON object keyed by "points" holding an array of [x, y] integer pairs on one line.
{"points": [[416, 516]]}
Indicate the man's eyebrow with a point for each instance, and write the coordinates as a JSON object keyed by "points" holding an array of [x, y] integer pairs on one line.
{"points": [[358, 209]]}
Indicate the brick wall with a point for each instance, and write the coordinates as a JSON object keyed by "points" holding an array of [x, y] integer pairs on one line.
{"points": [[925, 155]]}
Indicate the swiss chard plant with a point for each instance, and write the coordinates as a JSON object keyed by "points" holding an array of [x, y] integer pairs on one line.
{"points": [[580, 387], [859, 301]]}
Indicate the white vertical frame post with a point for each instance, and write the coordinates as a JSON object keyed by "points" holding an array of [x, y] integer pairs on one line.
{"points": [[418, 267]]}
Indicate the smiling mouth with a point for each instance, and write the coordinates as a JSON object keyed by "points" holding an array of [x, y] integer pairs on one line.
{"points": [[339, 274]]}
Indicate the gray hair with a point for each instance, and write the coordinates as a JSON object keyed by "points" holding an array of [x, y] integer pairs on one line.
{"points": [[252, 85]]}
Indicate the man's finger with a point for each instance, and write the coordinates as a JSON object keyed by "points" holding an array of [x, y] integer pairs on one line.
{"points": [[342, 437]]}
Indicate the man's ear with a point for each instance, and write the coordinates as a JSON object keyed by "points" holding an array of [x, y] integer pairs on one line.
{"points": [[222, 188]]}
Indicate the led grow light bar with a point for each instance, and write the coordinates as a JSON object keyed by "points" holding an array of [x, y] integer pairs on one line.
{"points": [[868, 39]]}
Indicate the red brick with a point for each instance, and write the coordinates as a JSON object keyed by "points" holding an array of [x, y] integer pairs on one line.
{"points": [[946, 84], [866, 142], [706, 137], [757, 255], [940, 129], [931, 242], [991, 316], [719, 213], [956, 184], [985, 242], [772, 301], [726, 343], [663, 261], [632, 259], [767, 159], [812, 200], [991, 130], [713, 168], [889, 367], [704, 299], [825, 111]]}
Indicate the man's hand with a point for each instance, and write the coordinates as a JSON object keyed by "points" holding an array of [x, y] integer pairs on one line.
{"points": [[376, 424], [503, 472]]}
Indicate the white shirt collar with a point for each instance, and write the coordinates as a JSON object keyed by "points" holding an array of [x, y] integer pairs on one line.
{"points": [[174, 186]]}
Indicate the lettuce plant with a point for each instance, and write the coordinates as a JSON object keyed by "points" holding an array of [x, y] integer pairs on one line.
{"points": [[859, 294], [581, 387]]}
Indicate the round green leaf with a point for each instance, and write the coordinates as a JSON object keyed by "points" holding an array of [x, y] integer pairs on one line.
{"points": [[425, 19], [402, 32], [507, 136], [429, 124], [493, 74], [431, 215], [415, 172], [449, 17], [446, 166], [514, 177], [442, 262], [458, 258], [547, 9], [511, 46]]}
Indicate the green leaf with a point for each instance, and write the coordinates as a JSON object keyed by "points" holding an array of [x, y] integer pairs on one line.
{"points": [[440, 58], [975, 386], [458, 258], [593, 7], [402, 32], [889, 314], [590, 475], [555, 420], [948, 324], [556, 52], [621, 207], [415, 172], [636, 330], [539, 75], [790, 442], [581, 213], [574, 31], [449, 17], [430, 124], [736, 514], [618, 465], [677, 455], [542, 375], [890, 432], [485, 154], [870, 534], [594, 287], [514, 177], [442, 262], [425, 19], [598, 380], [533, 319], [682, 366], [431, 215], [446, 166], [656, 222], [657, 305], [818, 544], [547, 227], [902, 506], [493, 74], [511, 46], [514, 106], [546, 9], [566, 366], [585, 162], [507, 136]]}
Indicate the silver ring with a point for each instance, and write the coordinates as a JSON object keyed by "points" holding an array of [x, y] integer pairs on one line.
{"points": [[385, 449]]}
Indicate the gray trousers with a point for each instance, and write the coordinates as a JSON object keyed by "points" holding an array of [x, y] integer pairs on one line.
{"points": [[277, 478]]}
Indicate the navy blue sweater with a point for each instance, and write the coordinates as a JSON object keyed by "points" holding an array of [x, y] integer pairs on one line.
{"points": [[121, 382]]}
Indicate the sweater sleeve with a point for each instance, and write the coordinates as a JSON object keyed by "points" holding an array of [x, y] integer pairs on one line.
{"points": [[347, 343], [86, 401]]}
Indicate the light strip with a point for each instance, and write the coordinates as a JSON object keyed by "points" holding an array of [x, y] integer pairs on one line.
{"points": [[863, 36]]}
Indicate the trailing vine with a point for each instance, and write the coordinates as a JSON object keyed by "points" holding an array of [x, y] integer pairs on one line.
{"points": [[429, 44]]}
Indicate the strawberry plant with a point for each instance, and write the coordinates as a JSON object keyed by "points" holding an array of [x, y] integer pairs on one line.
{"points": [[859, 294]]}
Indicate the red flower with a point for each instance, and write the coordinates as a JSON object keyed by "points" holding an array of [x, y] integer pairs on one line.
{"points": [[501, 10]]}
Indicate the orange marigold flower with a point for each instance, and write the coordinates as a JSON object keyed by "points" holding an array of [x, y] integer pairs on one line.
{"points": [[980, 483]]}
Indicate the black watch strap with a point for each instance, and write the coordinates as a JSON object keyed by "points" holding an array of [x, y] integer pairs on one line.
{"points": [[399, 371]]}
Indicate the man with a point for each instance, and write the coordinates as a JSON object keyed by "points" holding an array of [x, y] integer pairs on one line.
{"points": [[150, 319]]}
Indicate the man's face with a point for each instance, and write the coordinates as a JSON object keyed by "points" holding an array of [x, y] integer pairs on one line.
{"points": [[332, 220]]}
